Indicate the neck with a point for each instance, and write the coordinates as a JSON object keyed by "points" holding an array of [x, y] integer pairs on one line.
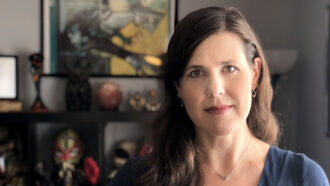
{"points": [[223, 153]]}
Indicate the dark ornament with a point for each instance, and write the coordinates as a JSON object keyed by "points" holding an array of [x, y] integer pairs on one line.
{"points": [[36, 71], [12, 166], [78, 89]]}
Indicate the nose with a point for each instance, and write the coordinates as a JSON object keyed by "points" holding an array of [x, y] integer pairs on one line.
{"points": [[214, 86]]}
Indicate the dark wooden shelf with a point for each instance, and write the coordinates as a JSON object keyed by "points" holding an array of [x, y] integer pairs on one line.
{"points": [[76, 117]]}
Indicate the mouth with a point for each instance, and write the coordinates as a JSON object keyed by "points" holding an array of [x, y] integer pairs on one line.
{"points": [[218, 110]]}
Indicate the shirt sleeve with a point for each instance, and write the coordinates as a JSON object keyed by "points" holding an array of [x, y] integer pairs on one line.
{"points": [[123, 176], [313, 174]]}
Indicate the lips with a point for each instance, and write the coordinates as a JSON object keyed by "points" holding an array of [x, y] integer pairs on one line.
{"points": [[218, 110]]}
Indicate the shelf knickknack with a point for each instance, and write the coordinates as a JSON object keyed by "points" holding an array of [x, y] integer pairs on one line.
{"points": [[36, 71]]}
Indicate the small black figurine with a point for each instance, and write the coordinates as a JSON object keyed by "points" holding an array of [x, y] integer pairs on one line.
{"points": [[36, 71], [78, 89]]}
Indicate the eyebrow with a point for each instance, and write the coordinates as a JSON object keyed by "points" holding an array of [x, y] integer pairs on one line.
{"points": [[220, 63]]}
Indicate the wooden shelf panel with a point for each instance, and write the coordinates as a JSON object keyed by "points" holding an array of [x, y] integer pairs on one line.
{"points": [[76, 117]]}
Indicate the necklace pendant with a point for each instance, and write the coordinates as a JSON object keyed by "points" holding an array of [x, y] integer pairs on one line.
{"points": [[226, 178]]}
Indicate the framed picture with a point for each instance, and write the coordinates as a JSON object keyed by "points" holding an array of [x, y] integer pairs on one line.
{"points": [[106, 37], [8, 77]]}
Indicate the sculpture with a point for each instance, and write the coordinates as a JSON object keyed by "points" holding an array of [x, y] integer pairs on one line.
{"points": [[36, 71]]}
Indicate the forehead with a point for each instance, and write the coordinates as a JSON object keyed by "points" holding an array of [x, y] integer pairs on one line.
{"points": [[221, 46]]}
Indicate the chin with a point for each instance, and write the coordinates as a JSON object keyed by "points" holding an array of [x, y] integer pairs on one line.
{"points": [[218, 129], [223, 132]]}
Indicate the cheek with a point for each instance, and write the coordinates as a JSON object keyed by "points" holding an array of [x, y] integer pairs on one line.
{"points": [[242, 95], [193, 97]]}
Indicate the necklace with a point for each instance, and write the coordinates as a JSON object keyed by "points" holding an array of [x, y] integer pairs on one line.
{"points": [[226, 177]]}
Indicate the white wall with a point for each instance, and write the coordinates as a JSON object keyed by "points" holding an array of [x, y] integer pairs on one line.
{"points": [[19, 35]]}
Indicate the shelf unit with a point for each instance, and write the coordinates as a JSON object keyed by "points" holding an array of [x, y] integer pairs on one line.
{"points": [[76, 117], [93, 121]]}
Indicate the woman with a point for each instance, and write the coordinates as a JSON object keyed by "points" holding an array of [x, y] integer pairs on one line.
{"points": [[217, 127]]}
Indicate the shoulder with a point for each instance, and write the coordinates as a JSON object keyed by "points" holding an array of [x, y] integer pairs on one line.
{"points": [[296, 167], [312, 173], [128, 173]]}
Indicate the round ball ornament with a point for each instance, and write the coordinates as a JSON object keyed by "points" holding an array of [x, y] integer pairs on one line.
{"points": [[109, 96]]}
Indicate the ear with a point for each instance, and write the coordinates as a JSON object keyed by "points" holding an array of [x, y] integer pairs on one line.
{"points": [[256, 72], [177, 86]]}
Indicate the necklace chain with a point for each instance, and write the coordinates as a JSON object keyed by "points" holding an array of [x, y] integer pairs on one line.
{"points": [[226, 178]]}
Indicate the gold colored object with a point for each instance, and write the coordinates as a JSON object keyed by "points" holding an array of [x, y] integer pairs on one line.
{"points": [[137, 102]]}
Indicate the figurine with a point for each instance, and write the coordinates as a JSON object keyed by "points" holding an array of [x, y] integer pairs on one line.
{"points": [[109, 96], [124, 150], [137, 101], [67, 155], [78, 89], [68, 151], [36, 71], [12, 167], [153, 104], [42, 176]]}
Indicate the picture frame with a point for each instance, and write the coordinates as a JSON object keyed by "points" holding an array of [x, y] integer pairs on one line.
{"points": [[8, 77], [106, 37]]}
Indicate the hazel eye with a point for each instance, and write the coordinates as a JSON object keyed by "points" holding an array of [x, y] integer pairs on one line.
{"points": [[230, 68], [195, 73]]}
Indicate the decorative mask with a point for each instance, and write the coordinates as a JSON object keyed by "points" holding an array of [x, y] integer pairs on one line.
{"points": [[68, 147]]}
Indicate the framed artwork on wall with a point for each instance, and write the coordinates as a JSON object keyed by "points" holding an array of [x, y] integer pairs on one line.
{"points": [[8, 77], [111, 37]]}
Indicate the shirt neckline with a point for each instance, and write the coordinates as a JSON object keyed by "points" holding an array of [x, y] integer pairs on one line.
{"points": [[266, 164]]}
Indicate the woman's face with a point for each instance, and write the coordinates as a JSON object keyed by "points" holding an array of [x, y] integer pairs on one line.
{"points": [[217, 83]]}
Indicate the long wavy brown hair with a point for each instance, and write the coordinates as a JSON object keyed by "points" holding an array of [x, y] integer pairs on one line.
{"points": [[174, 160]]}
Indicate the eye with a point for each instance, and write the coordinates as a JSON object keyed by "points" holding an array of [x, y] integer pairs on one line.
{"points": [[230, 68], [74, 152], [58, 154], [195, 73]]}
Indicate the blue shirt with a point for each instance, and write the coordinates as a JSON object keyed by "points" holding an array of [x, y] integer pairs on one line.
{"points": [[282, 168]]}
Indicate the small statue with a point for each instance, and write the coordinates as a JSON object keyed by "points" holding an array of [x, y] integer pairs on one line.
{"points": [[36, 71], [67, 152], [137, 101], [12, 167], [67, 155], [124, 150], [153, 104], [78, 89]]}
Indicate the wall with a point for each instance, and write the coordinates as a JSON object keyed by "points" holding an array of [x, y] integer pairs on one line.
{"points": [[186, 6], [312, 118], [19, 35]]}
